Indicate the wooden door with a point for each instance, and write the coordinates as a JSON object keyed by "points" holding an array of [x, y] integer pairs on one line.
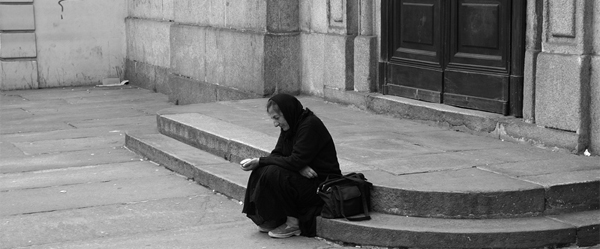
{"points": [[417, 60], [456, 52]]}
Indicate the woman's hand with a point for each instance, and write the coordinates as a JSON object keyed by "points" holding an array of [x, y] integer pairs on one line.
{"points": [[249, 164], [308, 172]]}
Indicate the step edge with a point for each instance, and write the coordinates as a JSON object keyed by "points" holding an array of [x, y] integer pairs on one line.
{"points": [[224, 191], [204, 177], [563, 233], [229, 148]]}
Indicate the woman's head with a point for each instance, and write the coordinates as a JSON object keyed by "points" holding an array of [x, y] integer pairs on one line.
{"points": [[275, 114], [285, 110]]}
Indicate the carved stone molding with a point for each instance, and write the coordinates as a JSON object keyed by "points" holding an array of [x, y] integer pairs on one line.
{"points": [[343, 16], [567, 26], [562, 15]]}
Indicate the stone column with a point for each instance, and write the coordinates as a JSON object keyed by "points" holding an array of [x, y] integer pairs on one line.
{"points": [[533, 46], [18, 55], [365, 50], [562, 85], [595, 84], [343, 23]]}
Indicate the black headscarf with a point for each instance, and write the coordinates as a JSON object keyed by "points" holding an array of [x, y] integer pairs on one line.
{"points": [[292, 111]]}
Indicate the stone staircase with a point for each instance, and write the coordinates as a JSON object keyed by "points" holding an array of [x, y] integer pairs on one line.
{"points": [[474, 193]]}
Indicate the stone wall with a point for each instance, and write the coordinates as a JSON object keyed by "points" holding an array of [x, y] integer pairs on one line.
{"points": [[203, 51], [594, 88], [60, 43], [561, 79], [339, 46], [242, 49], [209, 50]]}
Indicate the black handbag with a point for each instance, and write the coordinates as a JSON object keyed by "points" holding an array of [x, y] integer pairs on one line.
{"points": [[346, 196]]}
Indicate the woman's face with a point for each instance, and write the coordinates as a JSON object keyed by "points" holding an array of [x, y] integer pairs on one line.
{"points": [[278, 119]]}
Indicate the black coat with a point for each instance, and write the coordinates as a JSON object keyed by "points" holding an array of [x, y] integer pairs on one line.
{"points": [[276, 189], [309, 145]]}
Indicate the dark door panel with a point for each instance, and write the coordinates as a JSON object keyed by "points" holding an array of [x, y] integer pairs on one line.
{"points": [[418, 36], [457, 52], [481, 91], [417, 82], [480, 34], [416, 59]]}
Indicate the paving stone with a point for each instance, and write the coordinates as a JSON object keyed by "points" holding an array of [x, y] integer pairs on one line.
{"points": [[76, 133], [66, 93], [564, 164], [422, 163], [79, 175], [66, 159], [239, 234], [28, 104], [118, 221], [105, 193], [8, 149], [15, 113], [515, 153], [115, 122], [454, 141], [20, 127], [366, 150], [8, 100], [54, 146]]}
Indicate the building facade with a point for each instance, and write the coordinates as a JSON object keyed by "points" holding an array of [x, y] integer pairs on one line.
{"points": [[60, 43], [534, 62]]}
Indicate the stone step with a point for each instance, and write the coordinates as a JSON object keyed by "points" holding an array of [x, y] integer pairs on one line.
{"points": [[478, 122], [441, 194], [579, 228]]}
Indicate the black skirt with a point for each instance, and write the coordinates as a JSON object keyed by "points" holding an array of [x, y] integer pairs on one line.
{"points": [[273, 193]]}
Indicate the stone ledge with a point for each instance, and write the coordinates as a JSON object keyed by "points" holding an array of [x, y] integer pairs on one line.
{"points": [[490, 195], [384, 229], [465, 120], [411, 232]]}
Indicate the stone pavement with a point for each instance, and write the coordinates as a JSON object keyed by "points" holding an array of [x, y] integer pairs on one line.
{"points": [[66, 180], [433, 187]]}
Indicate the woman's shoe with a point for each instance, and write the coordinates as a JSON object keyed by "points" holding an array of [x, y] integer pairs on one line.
{"points": [[264, 229], [284, 231], [267, 226]]}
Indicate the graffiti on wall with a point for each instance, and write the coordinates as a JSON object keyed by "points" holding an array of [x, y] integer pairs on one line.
{"points": [[62, 8]]}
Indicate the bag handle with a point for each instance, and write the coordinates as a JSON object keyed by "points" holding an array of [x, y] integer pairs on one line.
{"points": [[354, 177]]}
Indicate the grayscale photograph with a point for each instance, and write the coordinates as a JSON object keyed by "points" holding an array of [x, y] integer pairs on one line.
{"points": [[300, 124]]}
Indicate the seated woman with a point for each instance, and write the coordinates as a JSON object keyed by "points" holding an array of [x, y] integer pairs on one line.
{"points": [[281, 197]]}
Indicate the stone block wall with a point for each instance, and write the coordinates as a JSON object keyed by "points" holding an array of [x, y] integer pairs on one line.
{"points": [[18, 55], [560, 78], [339, 46], [251, 48], [594, 87], [203, 51], [60, 43]]}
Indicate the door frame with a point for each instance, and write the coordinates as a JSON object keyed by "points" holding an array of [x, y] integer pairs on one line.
{"points": [[516, 60]]}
